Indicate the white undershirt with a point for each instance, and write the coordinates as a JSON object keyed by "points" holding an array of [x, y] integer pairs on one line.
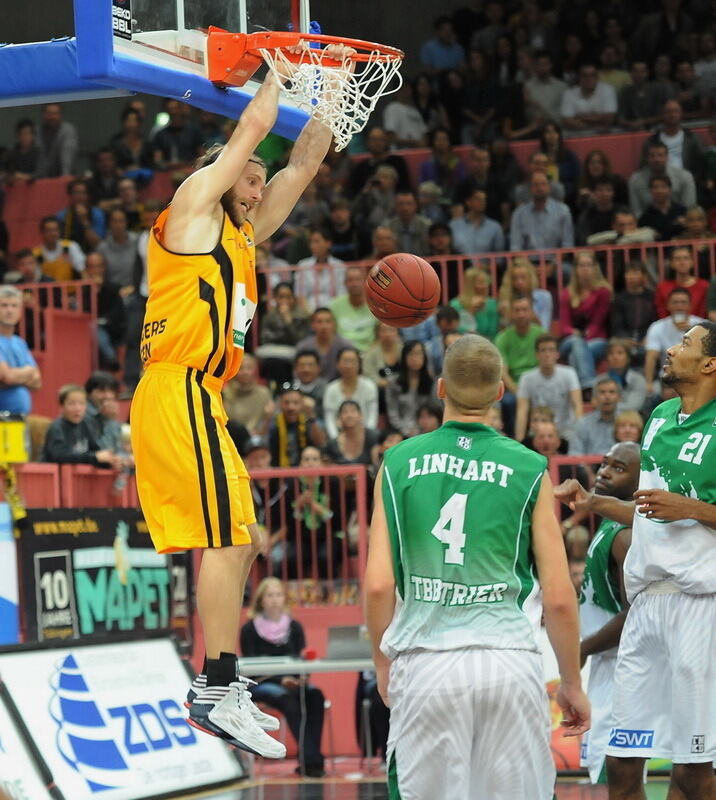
{"points": [[675, 146]]}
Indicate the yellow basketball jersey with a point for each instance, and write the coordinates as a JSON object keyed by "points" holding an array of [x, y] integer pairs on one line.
{"points": [[200, 306]]}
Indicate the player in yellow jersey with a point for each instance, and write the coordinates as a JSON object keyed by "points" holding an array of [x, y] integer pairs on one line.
{"points": [[193, 487]]}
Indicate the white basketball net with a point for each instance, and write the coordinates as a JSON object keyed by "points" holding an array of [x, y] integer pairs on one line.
{"points": [[341, 99]]}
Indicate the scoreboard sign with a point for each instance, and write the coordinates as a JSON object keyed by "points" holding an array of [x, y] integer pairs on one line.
{"points": [[88, 573]]}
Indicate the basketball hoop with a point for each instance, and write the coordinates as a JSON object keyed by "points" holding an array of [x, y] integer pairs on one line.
{"points": [[340, 93]]}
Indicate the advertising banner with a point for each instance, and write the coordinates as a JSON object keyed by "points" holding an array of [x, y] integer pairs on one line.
{"points": [[9, 611], [87, 573], [19, 776], [109, 720]]}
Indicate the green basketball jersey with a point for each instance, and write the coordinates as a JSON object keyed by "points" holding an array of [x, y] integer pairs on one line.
{"points": [[459, 504], [678, 454], [600, 599]]}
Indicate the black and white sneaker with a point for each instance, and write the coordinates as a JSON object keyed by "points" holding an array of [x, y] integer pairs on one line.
{"points": [[264, 721], [225, 711]]}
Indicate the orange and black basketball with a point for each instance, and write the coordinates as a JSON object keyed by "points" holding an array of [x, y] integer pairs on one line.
{"points": [[402, 290]]}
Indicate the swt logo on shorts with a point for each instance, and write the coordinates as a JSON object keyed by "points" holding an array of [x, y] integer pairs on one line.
{"points": [[621, 737], [100, 743]]}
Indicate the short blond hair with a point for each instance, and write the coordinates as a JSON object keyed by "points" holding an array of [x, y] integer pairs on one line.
{"points": [[628, 416], [472, 371]]}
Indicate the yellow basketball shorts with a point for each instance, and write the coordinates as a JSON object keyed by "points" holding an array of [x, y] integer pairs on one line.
{"points": [[193, 486]]}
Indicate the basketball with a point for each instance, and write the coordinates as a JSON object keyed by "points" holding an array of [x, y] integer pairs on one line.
{"points": [[402, 290]]}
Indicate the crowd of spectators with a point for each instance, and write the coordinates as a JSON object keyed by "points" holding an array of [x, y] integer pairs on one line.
{"points": [[582, 338]]}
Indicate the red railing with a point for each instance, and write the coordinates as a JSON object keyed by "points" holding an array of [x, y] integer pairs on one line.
{"points": [[333, 551], [47, 305], [547, 263], [303, 543]]}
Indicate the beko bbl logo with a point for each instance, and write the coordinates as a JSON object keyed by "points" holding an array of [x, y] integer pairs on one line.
{"points": [[100, 743]]}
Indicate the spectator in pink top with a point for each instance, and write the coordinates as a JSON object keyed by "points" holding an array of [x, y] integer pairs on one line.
{"points": [[583, 314], [682, 263]]}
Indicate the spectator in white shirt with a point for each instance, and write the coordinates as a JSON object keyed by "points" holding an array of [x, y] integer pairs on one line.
{"points": [[403, 122], [683, 146], [320, 277], [350, 385], [543, 91], [667, 332], [592, 104]]}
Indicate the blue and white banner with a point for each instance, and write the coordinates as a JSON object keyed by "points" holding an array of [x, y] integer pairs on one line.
{"points": [[9, 611], [19, 776], [110, 723]]}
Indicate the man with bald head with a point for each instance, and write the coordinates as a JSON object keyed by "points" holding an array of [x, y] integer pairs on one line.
{"points": [[464, 529], [603, 602]]}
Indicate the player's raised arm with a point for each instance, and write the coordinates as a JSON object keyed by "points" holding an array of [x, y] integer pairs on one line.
{"points": [[206, 187], [379, 587], [287, 186], [560, 609]]}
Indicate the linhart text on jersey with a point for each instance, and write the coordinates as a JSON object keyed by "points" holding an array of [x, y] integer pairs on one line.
{"points": [[471, 470]]}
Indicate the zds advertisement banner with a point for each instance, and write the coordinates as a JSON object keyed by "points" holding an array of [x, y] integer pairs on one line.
{"points": [[109, 721]]}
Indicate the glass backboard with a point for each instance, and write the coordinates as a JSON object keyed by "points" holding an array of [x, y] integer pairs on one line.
{"points": [[173, 32], [159, 47]]}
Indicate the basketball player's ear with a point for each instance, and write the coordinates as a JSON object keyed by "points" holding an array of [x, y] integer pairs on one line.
{"points": [[500, 392], [709, 368], [440, 389]]}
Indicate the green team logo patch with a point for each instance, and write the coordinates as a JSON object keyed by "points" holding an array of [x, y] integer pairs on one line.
{"points": [[244, 310], [465, 442]]}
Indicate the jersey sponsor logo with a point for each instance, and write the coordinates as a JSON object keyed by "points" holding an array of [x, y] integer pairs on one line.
{"points": [[698, 744], [471, 470], [450, 593], [465, 442], [154, 328], [244, 310], [102, 751], [623, 737]]}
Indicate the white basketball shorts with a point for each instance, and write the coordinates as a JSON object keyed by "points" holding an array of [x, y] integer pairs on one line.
{"points": [[664, 701], [469, 723]]}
